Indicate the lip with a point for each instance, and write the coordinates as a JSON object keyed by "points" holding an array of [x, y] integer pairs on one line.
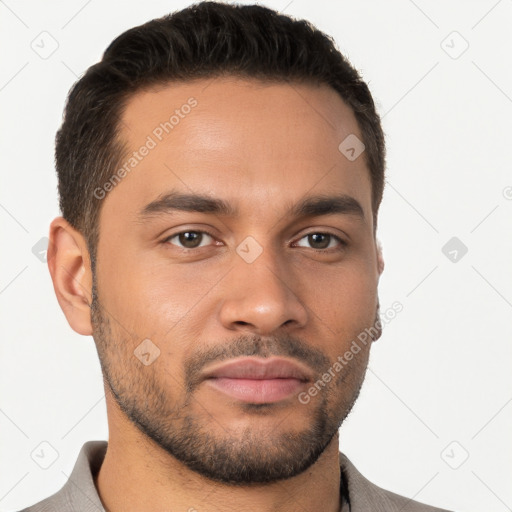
{"points": [[258, 380]]}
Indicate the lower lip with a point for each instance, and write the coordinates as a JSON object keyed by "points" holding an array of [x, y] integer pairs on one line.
{"points": [[257, 391]]}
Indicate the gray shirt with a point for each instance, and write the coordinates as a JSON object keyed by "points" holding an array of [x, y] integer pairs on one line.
{"points": [[79, 493]]}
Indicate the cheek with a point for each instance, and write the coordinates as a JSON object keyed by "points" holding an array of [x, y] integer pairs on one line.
{"points": [[151, 295], [154, 296], [344, 299]]}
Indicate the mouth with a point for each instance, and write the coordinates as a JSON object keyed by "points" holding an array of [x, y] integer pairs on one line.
{"points": [[257, 380]]}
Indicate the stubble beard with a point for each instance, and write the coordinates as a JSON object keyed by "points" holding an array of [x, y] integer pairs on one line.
{"points": [[205, 444]]}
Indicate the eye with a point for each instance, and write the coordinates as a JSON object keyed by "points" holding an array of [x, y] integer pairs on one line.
{"points": [[318, 241], [323, 242], [189, 239]]}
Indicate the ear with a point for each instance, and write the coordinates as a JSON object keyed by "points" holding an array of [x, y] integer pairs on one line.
{"points": [[380, 259], [69, 264]]}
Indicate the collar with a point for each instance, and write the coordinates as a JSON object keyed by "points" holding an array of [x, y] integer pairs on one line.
{"points": [[80, 493]]}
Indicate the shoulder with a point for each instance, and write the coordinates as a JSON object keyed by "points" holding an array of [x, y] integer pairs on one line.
{"points": [[368, 497], [79, 492], [53, 503]]}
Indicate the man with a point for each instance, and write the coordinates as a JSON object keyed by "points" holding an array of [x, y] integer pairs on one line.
{"points": [[220, 174]]}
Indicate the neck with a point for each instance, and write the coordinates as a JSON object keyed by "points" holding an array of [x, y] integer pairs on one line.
{"points": [[137, 475]]}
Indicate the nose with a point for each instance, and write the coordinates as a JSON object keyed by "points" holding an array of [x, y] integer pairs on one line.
{"points": [[260, 297]]}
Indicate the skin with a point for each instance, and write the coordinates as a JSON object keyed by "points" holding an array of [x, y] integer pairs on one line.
{"points": [[262, 148]]}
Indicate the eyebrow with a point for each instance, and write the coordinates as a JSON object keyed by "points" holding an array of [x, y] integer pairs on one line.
{"points": [[311, 206]]}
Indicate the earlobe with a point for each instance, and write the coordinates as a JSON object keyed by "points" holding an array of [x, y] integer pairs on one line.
{"points": [[69, 265], [380, 259]]}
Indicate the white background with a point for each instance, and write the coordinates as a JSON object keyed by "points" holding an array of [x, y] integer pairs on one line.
{"points": [[442, 370]]}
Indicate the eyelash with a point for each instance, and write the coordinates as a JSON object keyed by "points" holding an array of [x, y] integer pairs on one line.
{"points": [[342, 243]]}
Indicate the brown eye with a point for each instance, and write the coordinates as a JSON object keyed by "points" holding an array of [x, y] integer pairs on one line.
{"points": [[321, 241], [189, 239]]}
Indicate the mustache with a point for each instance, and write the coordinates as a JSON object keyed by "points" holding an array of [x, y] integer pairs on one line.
{"points": [[283, 346]]}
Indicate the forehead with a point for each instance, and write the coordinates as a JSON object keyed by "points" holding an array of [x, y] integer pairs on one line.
{"points": [[243, 140]]}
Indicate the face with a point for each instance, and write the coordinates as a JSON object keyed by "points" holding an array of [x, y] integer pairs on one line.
{"points": [[239, 245]]}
